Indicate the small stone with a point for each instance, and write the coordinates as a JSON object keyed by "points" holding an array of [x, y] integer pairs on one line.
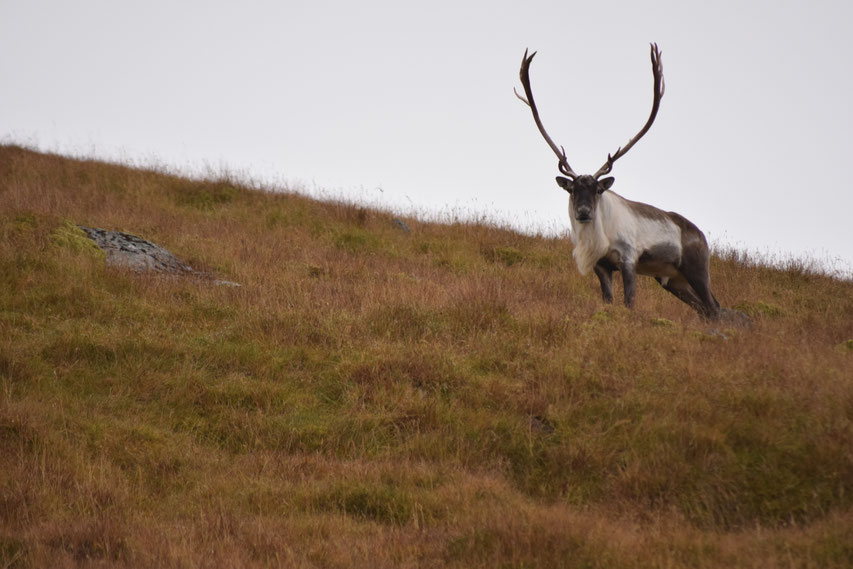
{"points": [[542, 424], [734, 317], [717, 334], [401, 225]]}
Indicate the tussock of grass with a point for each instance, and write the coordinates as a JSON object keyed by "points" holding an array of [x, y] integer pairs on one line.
{"points": [[457, 396]]}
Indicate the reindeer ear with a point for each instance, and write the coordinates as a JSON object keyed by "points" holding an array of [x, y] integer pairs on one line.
{"points": [[605, 183], [564, 183]]}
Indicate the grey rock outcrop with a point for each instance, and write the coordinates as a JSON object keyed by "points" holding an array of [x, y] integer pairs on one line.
{"points": [[128, 251]]}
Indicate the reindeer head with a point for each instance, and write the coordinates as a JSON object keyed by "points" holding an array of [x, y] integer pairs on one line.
{"points": [[585, 190]]}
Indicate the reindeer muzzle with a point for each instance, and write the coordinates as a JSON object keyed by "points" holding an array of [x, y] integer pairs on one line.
{"points": [[583, 214]]}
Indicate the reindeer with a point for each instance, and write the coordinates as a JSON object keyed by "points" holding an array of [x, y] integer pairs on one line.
{"points": [[611, 233]]}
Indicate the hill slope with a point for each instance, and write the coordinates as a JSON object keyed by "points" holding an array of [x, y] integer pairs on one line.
{"points": [[456, 396]]}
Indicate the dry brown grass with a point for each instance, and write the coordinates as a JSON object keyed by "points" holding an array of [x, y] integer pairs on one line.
{"points": [[453, 397]]}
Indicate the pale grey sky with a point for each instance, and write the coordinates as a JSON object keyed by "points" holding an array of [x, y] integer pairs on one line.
{"points": [[410, 105]]}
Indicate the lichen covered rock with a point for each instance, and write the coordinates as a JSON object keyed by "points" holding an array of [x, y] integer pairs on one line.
{"points": [[127, 251]]}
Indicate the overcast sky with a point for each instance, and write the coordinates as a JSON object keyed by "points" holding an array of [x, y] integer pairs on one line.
{"points": [[409, 105]]}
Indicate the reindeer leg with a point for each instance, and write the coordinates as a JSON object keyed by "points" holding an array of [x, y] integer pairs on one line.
{"points": [[682, 290], [604, 272], [710, 306], [629, 283], [695, 270]]}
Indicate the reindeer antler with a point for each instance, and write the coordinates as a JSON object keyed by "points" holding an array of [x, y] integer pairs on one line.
{"points": [[660, 86], [524, 74]]}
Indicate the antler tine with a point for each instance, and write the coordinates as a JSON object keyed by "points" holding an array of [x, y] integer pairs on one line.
{"points": [[524, 74], [660, 87]]}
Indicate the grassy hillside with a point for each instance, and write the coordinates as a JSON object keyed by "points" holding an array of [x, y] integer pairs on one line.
{"points": [[457, 396]]}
